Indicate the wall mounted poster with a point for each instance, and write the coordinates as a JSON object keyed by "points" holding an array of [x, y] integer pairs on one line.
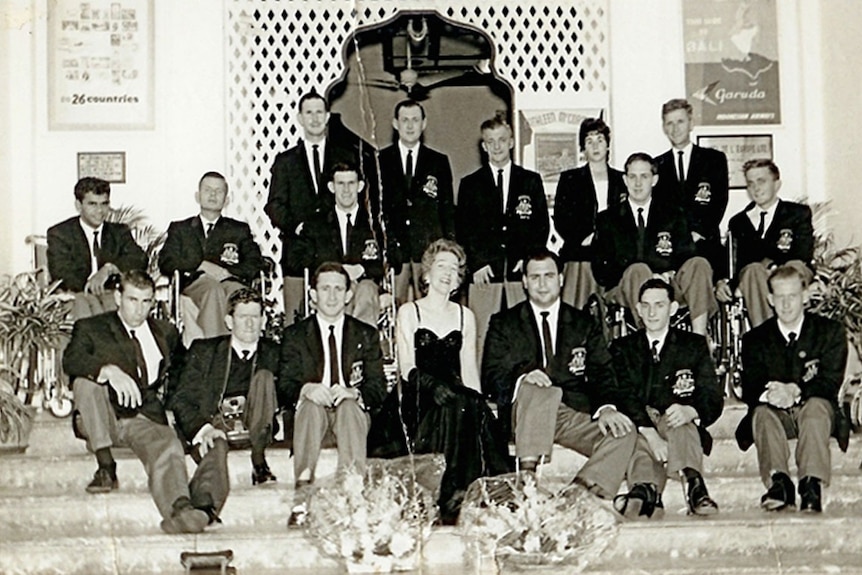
{"points": [[100, 64], [731, 61]]}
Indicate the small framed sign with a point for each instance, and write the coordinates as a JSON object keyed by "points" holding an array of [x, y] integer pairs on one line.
{"points": [[739, 149], [109, 166]]}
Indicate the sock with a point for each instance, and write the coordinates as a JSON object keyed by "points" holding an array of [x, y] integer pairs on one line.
{"points": [[690, 473], [104, 458]]}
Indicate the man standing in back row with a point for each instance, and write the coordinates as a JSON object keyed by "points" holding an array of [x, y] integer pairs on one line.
{"points": [[418, 205], [502, 216], [695, 179]]}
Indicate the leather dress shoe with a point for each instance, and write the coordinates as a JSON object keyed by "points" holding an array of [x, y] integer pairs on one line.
{"points": [[298, 517], [780, 493], [104, 480], [188, 520], [698, 499], [809, 495], [640, 501], [261, 474]]}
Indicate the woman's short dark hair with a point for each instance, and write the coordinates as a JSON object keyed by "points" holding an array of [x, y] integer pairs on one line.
{"points": [[593, 125]]}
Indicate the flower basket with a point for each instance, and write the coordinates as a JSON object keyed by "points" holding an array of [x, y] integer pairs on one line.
{"points": [[527, 527], [378, 522]]}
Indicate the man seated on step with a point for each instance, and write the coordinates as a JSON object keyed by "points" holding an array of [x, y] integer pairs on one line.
{"points": [[225, 396], [671, 393], [332, 376], [87, 253], [547, 365], [118, 361], [646, 236], [343, 233], [792, 369], [214, 254], [769, 232]]}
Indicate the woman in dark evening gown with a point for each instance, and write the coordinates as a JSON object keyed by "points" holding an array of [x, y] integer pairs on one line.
{"points": [[443, 410]]}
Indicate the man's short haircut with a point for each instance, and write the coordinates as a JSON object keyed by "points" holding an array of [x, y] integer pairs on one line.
{"points": [[676, 104], [541, 254], [313, 95], [244, 295], [787, 272], [656, 283], [91, 185], [215, 175], [593, 125], [137, 279], [344, 167], [408, 103], [641, 157], [762, 163], [327, 267], [440, 246], [494, 123]]}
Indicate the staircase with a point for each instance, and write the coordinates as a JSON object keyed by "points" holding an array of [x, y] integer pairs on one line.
{"points": [[48, 524]]}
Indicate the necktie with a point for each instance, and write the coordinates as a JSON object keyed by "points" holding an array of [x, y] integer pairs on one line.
{"points": [[245, 354], [209, 230], [333, 358], [348, 229], [500, 189], [656, 356], [408, 169], [143, 376], [316, 159], [791, 339], [791, 348], [679, 164], [761, 228], [546, 338], [96, 246], [641, 233]]}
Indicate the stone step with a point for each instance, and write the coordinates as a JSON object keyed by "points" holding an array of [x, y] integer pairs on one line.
{"points": [[759, 543]]}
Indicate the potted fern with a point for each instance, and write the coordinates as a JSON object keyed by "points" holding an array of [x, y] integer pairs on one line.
{"points": [[34, 323]]}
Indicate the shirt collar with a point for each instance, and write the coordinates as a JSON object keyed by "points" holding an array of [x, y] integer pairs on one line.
{"points": [[506, 169], [554, 310], [797, 329], [88, 231], [686, 150], [324, 325], [404, 149], [660, 337], [143, 327], [240, 346], [755, 209], [205, 222], [635, 207]]}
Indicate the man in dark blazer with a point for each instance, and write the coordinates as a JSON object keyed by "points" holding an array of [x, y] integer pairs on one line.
{"points": [[418, 204], [793, 366], [226, 396], [502, 216], [644, 236], [118, 362], [343, 233], [767, 233], [581, 194], [547, 366], [297, 186], [695, 179], [670, 392], [87, 253], [332, 376], [214, 254]]}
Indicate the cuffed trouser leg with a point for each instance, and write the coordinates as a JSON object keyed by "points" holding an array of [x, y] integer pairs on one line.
{"points": [[814, 423], [350, 424], [210, 483], [159, 449], [644, 467], [534, 420], [694, 281], [579, 284], [629, 286], [98, 420], [752, 284], [260, 406], [770, 439]]}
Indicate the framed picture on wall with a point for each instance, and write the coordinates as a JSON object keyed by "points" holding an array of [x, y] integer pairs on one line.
{"points": [[739, 149], [109, 166], [549, 140], [100, 64]]}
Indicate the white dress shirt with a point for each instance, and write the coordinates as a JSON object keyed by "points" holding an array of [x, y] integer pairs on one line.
{"points": [[149, 347], [507, 173], [88, 233]]}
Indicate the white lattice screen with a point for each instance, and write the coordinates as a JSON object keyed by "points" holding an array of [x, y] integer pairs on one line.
{"points": [[278, 50]]}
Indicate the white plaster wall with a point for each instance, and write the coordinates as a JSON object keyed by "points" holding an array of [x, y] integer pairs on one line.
{"points": [[162, 165]]}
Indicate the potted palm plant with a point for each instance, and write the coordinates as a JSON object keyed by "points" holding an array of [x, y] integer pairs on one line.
{"points": [[34, 323]]}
